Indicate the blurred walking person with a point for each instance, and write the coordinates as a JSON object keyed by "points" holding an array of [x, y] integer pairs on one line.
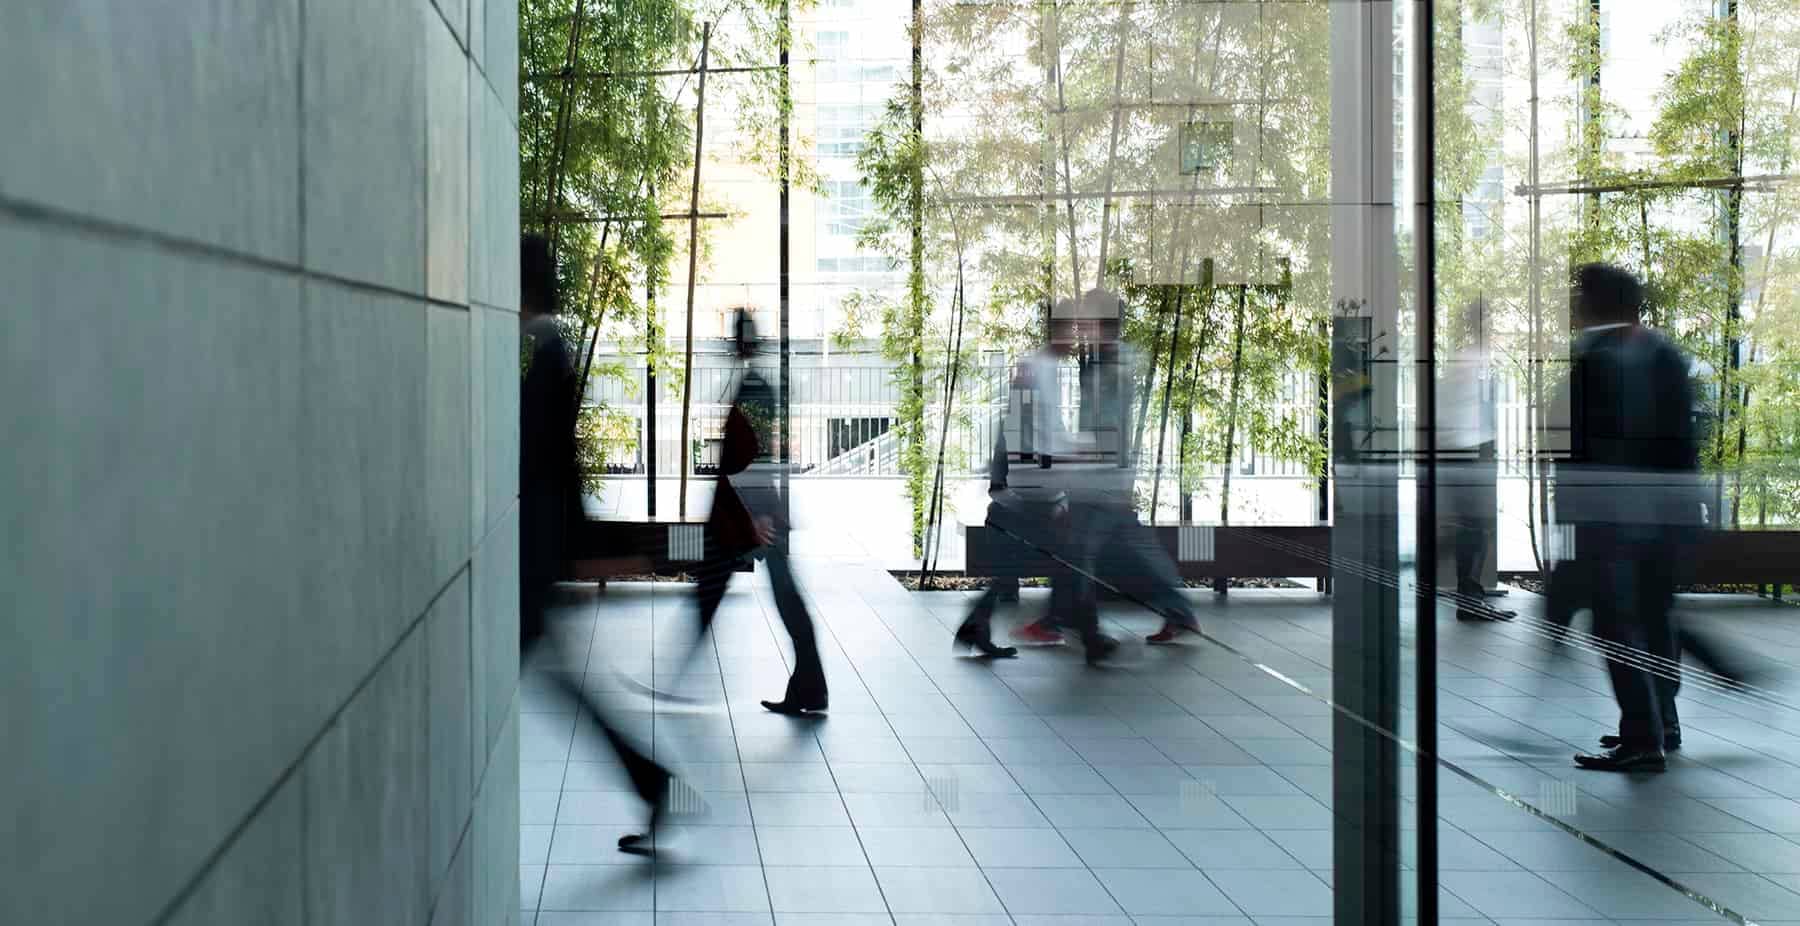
{"points": [[1091, 465], [1466, 472], [747, 520], [550, 507], [1631, 494]]}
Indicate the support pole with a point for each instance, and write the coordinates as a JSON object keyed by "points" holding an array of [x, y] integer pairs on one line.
{"points": [[650, 335], [786, 394], [1365, 633], [1425, 559]]}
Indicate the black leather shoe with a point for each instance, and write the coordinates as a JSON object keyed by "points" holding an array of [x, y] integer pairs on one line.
{"points": [[1671, 741], [1624, 759], [1100, 650], [795, 708], [644, 843], [1485, 614], [983, 643]]}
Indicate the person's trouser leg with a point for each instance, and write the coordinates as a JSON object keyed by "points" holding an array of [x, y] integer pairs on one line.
{"points": [[1139, 566], [1567, 593], [1471, 556], [1656, 598], [1616, 602], [1708, 651], [979, 624], [648, 778], [806, 687], [1088, 530], [711, 578]]}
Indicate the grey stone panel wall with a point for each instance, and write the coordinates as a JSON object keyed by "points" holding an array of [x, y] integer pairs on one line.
{"points": [[258, 509]]}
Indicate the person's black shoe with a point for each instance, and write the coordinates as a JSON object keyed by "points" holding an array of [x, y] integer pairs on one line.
{"points": [[1484, 614], [644, 843], [794, 707], [1101, 649], [1671, 741], [982, 642], [1624, 759]]}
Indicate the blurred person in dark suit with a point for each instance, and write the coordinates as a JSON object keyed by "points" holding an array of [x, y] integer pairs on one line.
{"points": [[1091, 464], [746, 520], [1569, 592], [1630, 492], [550, 507]]}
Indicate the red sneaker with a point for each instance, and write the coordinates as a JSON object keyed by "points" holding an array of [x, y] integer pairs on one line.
{"points": [[1035, 633], [1169, 633]]}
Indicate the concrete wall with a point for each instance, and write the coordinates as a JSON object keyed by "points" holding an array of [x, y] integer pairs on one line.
{"points": [[258, 385]]}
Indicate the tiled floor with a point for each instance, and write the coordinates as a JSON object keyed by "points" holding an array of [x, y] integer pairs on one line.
{"points": [[1187, 787]]}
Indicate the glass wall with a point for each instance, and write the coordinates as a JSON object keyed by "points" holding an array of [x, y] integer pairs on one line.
{"points": [[1513, 500]]}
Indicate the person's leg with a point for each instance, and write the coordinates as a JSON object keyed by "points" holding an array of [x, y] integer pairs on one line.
{"points": [[1132, 559], [648, 779], [1656, 599], [1046, 529], [977, 630], [1089, 536], [711, 578], [806, 689], [1569, 590], [1708, 651], [1615, 602]]}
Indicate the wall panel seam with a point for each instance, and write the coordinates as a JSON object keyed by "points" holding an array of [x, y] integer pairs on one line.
{"points": [[31, 212], [192, 884]]}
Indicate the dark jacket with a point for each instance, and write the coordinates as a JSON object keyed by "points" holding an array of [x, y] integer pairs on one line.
{"points": [[549, 471], [1634, 452], [747, 487]]}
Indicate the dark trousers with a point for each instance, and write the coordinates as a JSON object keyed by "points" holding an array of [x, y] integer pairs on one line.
{"points": [[1631, 596], [647, 777], [1466, 503], [1036, 532], [1471, 557], [807, 685], [1115, 548], [1571, 590]]}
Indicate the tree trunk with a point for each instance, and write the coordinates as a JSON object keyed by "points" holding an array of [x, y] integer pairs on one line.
{"points": [[593, 332], [1112, 143], [1162, 428], [1062, 120], [687, 365], [1237, 370], [1143, 409], [1537, 488], [565, 114], [960, 309]]}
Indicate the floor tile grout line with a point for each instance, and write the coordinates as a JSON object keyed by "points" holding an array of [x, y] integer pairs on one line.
{"points": [[744, 777], [1028, 796], [1209, 878], [910, 758], [1549, 651], [937, 682]]}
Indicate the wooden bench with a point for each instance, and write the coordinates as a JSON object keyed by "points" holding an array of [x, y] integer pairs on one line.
{"points": [[604, 549], [1200, 551]]}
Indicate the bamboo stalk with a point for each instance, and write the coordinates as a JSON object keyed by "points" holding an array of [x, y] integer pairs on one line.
{"points": [[1237, 370], [687, 368]]}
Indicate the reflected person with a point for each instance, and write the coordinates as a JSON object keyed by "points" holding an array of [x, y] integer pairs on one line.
{"points": [[1466, 469], [1631, 494]]}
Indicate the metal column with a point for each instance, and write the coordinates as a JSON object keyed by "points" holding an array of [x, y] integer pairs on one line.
{"points": [[1365, 530]]}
